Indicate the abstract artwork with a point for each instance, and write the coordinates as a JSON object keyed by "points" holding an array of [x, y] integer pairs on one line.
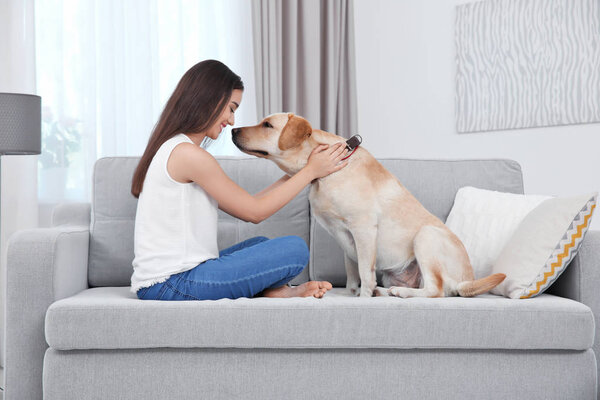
{"points": [[527, 63]]}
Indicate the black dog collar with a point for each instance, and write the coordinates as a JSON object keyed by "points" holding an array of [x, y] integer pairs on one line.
{"points": [[352, 144]]}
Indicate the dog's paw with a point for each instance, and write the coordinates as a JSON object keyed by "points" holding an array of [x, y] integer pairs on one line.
{"points": [[398, 291], [354, 290], [380, 291], [366, 292]]}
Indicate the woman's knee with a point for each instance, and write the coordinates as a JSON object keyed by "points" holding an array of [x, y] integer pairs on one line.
{"points": [[254, 241], [296, 247]]}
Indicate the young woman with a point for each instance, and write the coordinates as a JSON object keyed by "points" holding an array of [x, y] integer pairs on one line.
{"points": [[179, 186]]}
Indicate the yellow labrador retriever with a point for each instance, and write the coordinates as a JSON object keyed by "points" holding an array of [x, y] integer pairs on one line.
{"points": [[378, 223]]}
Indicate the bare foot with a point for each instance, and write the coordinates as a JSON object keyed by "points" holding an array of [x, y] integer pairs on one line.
{"points": [[311, 288]]}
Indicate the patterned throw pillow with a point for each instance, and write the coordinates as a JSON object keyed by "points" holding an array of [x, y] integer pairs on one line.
{"points": [[543, 245]]}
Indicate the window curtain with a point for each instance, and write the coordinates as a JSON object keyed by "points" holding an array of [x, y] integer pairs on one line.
{"points": [[305, 63], [105, 69]]}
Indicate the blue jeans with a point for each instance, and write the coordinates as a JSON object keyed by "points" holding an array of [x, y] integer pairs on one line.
{"points": [[242, 270]]}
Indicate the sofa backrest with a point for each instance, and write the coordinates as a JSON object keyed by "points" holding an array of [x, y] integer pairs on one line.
{"points": [[433, 182], [114, 207]]}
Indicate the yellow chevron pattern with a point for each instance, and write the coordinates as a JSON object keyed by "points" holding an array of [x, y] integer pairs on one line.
{"points": [[561, 256]]}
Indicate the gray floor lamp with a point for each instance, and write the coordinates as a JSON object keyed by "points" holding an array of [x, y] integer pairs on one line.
{"points": [[20, 125], [20, 130]]}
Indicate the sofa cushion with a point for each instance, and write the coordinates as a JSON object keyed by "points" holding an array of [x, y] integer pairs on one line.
{"points": [[112, 318], [434, 183], [114, 208]]}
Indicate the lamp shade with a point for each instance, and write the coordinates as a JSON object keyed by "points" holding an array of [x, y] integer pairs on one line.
{"points": [[20, 124]]}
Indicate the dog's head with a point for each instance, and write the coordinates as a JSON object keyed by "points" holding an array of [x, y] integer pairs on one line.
{"points": [[284, 138]]}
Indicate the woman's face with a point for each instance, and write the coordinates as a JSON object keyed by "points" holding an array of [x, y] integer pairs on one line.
{"points": [[227, 116]]}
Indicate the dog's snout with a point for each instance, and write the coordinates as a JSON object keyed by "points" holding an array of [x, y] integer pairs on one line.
{"points": [[235, 131]]}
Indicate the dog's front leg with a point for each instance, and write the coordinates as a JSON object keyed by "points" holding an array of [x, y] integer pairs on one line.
{"points": [[352, 275], [365, 239]]}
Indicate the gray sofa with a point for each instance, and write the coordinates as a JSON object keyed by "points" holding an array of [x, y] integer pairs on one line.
{"points": [[74, 330]]}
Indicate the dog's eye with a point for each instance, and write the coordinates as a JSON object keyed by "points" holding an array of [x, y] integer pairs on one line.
{"points": [[267, 125]]}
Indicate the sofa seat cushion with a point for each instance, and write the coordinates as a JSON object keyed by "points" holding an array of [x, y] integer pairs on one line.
{"points": [[113, 318]]}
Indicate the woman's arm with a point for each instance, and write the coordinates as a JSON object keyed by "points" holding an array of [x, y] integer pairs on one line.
{"points": [[204, 170], [275, 199], [273, 186], [234, 200]]}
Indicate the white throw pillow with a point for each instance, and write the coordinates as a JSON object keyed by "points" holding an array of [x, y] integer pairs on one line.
{"points": [[543, 245], [485, 220]]}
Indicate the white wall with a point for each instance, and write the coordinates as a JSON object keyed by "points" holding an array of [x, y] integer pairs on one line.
{"points": [[406, 67]]}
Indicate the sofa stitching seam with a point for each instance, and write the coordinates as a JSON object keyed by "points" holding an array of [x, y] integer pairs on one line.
{"points": [[220, 309]]}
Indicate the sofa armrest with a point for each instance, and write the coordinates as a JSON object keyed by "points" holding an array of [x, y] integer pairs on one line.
{"points": [[72, 214], [43, 265], [581, 281]]}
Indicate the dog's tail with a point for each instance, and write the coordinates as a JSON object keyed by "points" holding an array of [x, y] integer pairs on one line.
{"points": [[479, 286]]}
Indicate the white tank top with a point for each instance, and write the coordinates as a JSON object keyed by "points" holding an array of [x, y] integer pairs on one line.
{"points": [[175, 223]]}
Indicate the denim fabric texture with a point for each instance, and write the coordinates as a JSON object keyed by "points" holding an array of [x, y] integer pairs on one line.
{"points": [[242, 270]]}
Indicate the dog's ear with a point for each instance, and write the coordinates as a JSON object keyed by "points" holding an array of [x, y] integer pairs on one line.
{"points": [[294, 132]]}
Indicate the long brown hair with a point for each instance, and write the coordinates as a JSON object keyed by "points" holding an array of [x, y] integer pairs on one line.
{"points": [[200, 96]]}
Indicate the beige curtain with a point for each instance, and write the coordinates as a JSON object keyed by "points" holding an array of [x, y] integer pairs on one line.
{"points": [[304, 61]]}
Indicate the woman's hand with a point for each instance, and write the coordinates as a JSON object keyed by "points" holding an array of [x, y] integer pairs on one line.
{"points": [[325, 159]]}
